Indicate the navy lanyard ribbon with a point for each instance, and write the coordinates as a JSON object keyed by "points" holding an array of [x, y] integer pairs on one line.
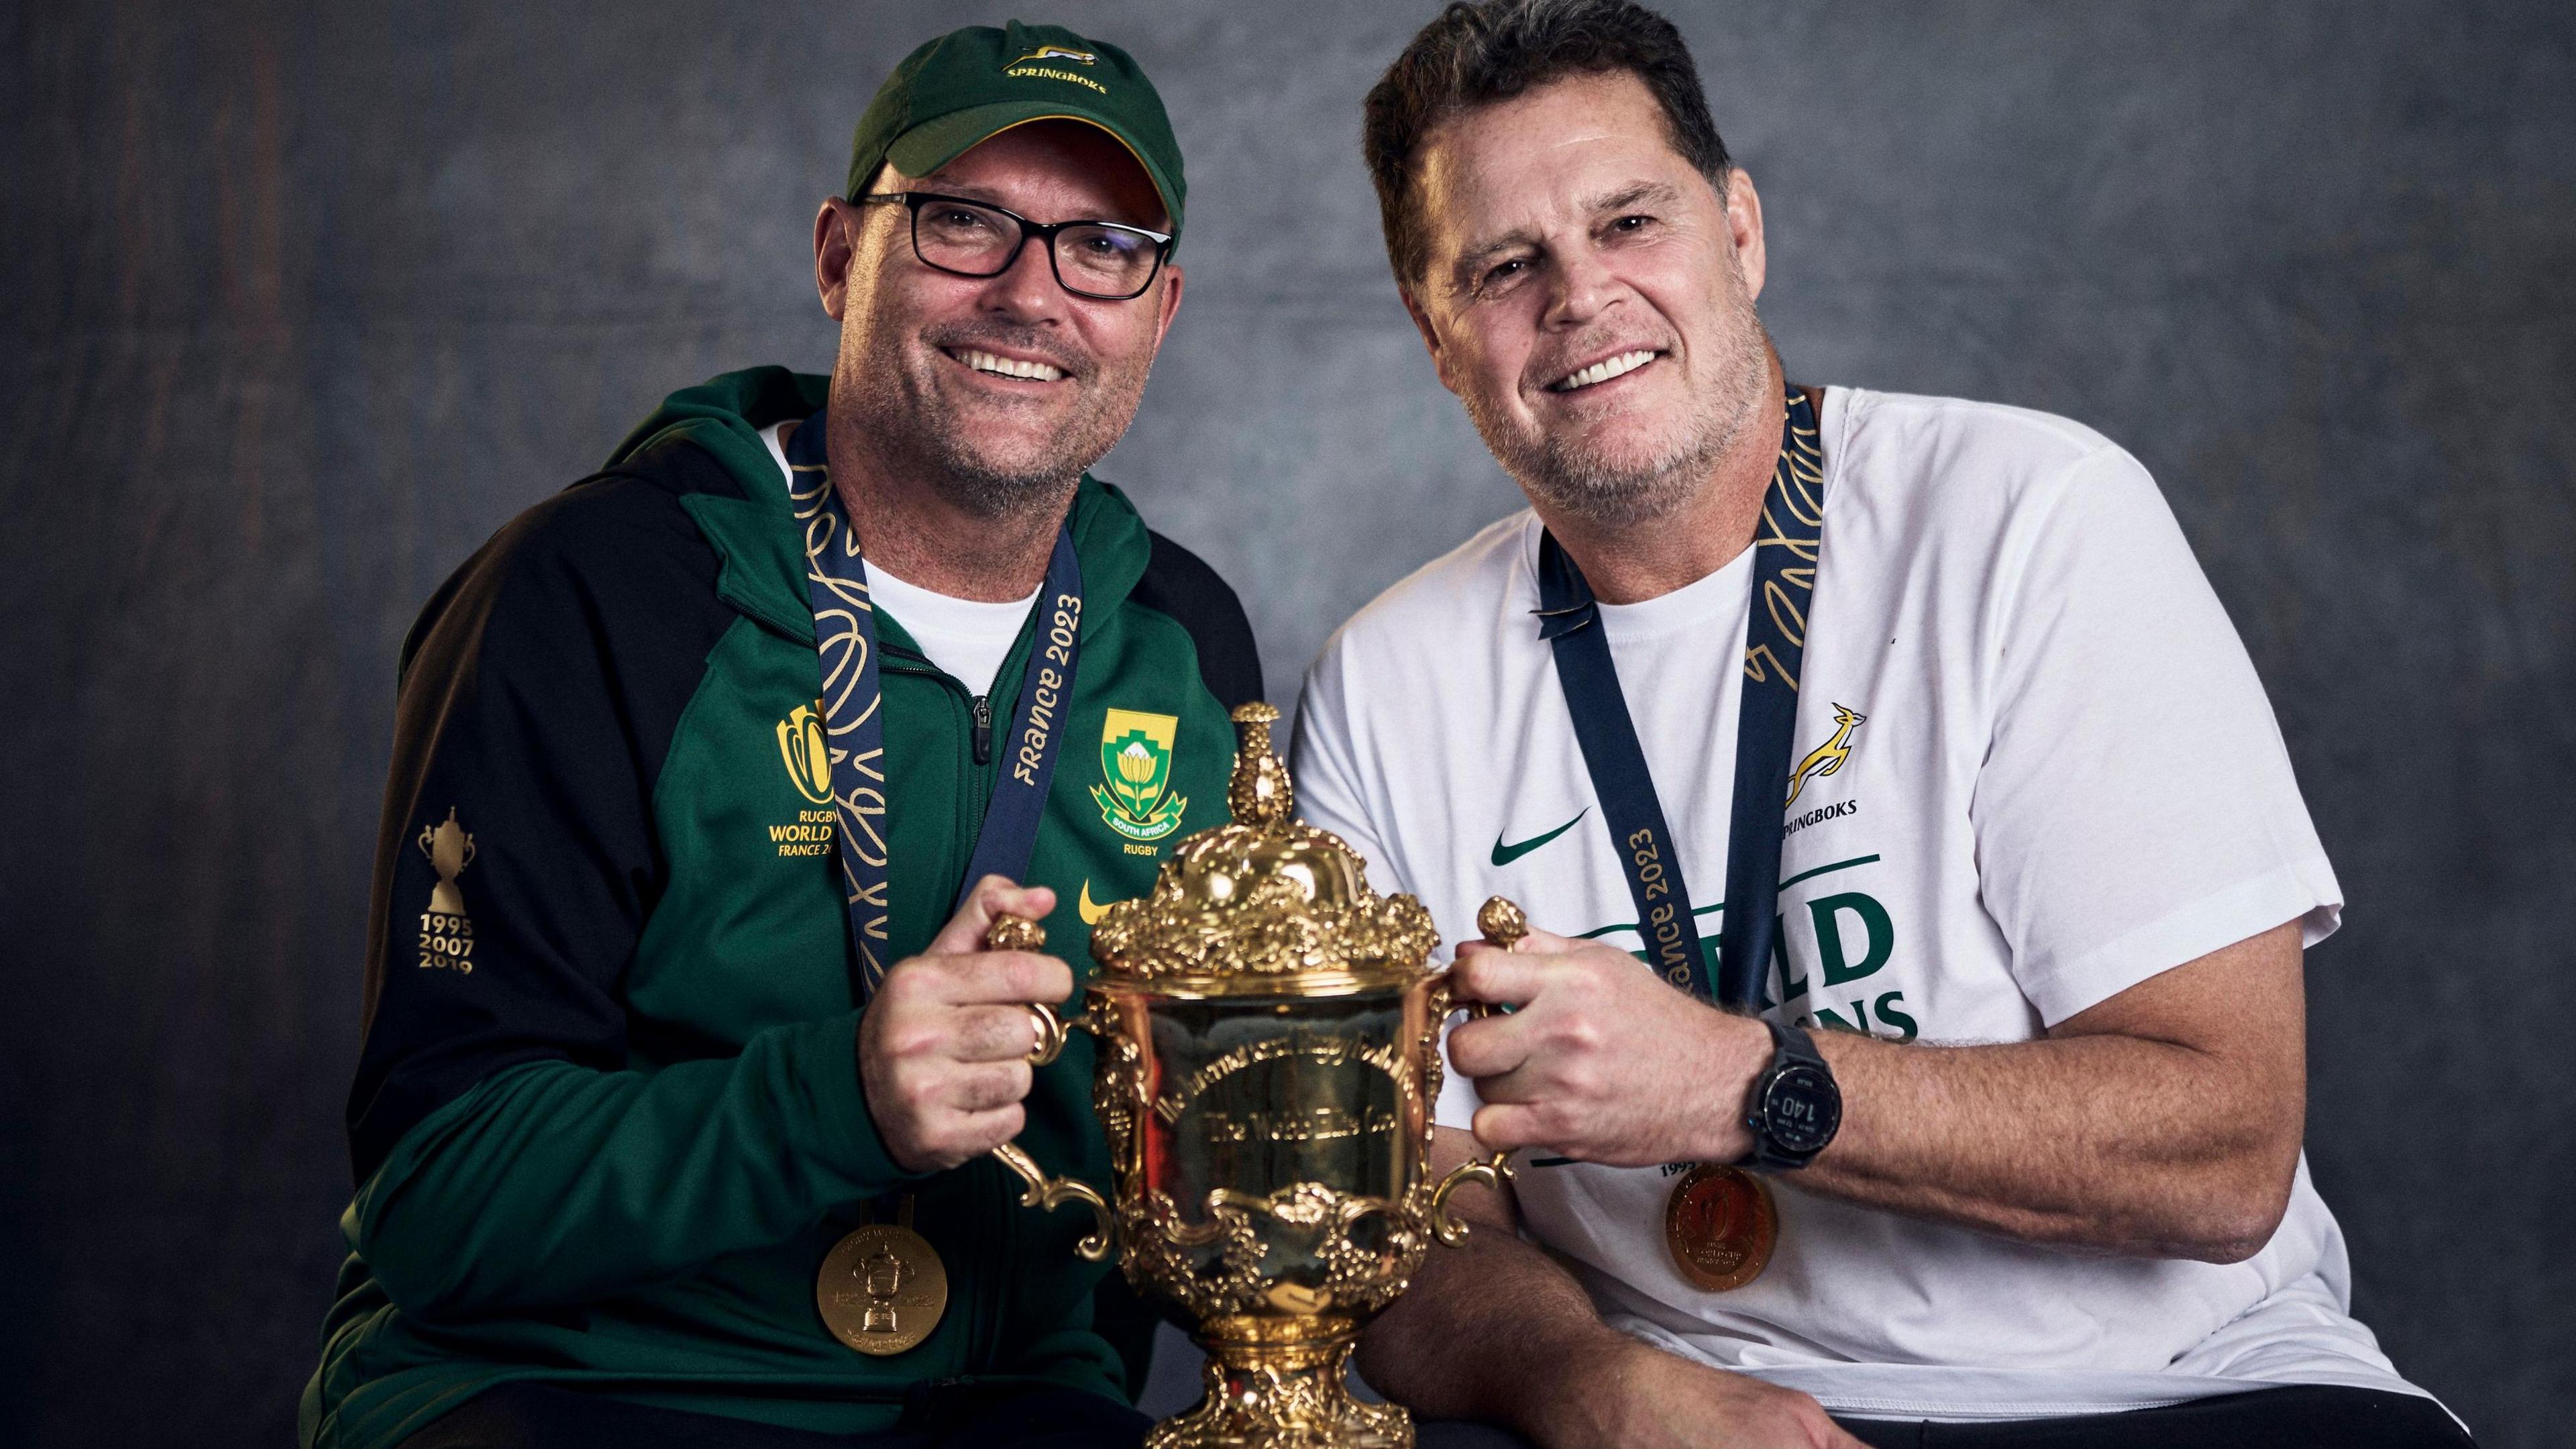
{"points": [[1786, 544], [853, 707]]}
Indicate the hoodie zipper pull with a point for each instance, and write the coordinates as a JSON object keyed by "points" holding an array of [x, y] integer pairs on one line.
{"points": [[983, 730]]}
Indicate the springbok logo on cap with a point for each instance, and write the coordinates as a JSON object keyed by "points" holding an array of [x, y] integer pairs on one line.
{"points": [[1038, 65], [1054, 52]]}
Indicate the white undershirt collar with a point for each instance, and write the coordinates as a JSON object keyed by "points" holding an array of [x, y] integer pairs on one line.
{"points": [[966, 639]]}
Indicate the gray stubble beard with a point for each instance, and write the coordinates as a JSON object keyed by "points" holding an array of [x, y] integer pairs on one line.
{"points": [[908, 419], [1605, 493]]}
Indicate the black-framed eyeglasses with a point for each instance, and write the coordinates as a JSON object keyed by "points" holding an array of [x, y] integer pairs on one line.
{"points": [[1102, 260]]}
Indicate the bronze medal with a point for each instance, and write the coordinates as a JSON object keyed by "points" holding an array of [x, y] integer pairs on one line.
{"points": [[1720, 1225], [882, 1289]]}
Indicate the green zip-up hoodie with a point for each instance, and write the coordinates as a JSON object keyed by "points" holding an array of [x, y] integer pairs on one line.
{"points": [[608, 1121]]}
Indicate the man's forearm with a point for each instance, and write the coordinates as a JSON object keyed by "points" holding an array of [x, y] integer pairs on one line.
{"points": [[557, 1184], [2108, 1143], [2102, 1136], [1493, 1330]]}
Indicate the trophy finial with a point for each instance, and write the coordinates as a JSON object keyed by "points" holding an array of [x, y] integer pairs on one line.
{"points": [[1014, 933], [1260, 793]]}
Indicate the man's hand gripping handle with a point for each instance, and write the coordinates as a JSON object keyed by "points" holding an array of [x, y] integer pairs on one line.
{"points": [[1019, 933], [1503, 924]]}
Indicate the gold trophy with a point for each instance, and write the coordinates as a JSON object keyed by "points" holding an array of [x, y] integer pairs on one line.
{"points": [[1269, 1054]]}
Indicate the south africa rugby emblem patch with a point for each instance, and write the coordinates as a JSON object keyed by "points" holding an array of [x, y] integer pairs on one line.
{"points": [[1135, 794]]}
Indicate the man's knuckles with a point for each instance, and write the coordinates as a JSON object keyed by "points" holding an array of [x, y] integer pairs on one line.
{"points": [[1501, 1125], [1545, 1034], [920, 1090], [985, 1088], [958, 1137], [1574, 1077], [1047, 979], [1495, 977], [1573, 1031], [995, 1033], [930, 1086], [988, 1130], [1483, 1048], [922, 987], [914, 1038], [1467, 974], [1533, 1126], [1007, 976]]}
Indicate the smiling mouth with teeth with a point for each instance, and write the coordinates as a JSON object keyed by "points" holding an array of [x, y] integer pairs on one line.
{"points": [[1604, 370], [983, 361]]}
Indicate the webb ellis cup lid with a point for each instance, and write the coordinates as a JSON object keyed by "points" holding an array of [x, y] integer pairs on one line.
{"points": [[1265, 906]]}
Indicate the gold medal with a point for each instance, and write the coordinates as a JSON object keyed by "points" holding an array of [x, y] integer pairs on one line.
{"points": [[882, 1288], [1720, 1225]]}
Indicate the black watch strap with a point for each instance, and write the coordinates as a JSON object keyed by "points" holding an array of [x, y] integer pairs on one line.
{"points": [[1793, 1044], [1796, 1106]]}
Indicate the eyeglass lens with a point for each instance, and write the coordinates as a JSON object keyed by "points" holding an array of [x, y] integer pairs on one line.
{"points": [[1095, 259]]}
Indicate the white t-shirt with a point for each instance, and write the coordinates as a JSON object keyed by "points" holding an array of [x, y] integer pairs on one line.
{"points": [[966, 638], [2064, 779]]}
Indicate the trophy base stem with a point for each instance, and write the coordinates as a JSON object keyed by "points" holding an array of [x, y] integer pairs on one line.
{"points": [[1283, 1394]]}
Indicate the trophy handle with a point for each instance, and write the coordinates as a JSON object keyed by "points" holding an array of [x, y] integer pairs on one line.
{"points": [[1492, 1171], [1019, 933], [1054, 1192], [1503, 924]]}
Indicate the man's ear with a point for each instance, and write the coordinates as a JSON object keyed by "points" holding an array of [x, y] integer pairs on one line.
{"points": [[1430, 336], [1170, 306], [1744, 221], [835, 228]]}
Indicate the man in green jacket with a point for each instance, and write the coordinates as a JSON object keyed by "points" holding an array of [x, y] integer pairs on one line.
{"points": [[683, 1052]]}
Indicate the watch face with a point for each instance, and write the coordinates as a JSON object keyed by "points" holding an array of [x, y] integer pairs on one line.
{"points": [[1800, 1110]]}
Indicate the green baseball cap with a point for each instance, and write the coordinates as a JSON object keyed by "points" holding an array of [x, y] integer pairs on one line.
{"points": [[972, 84]]}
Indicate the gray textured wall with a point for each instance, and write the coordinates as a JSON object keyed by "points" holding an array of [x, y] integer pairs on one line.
{"points": [[302, 302]]}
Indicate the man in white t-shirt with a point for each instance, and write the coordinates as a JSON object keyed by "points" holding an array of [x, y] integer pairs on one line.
{"points": [[2044, 874]]}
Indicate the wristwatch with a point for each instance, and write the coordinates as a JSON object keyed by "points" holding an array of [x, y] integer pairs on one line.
{"points": [[1795, 1107]]}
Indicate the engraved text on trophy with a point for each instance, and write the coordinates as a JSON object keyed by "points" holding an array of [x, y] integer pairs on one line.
{"points": [[1254, 1104]]}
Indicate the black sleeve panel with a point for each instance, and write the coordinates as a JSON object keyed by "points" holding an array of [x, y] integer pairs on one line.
{"points": [[1178, 583], [540, 691]]}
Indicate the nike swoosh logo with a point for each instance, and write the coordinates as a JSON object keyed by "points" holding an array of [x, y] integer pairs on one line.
{"points": [[1506, 854], [1091, 911]]}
